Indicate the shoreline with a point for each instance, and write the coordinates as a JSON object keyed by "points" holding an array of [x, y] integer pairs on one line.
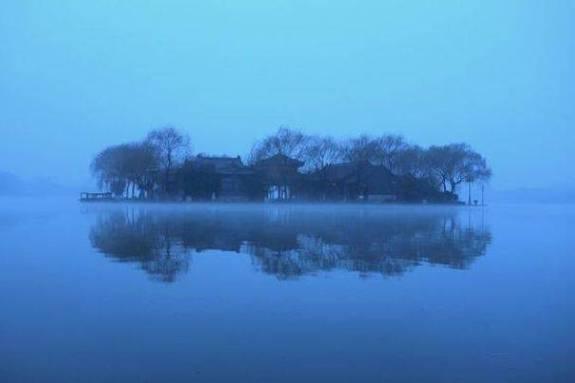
{"points": [[279, 203]]}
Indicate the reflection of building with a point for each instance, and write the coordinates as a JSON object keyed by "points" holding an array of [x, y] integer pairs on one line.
{"points": [[293, 242]]}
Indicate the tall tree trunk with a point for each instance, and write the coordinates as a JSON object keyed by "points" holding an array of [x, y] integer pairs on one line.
{"points": [[166, 180]]}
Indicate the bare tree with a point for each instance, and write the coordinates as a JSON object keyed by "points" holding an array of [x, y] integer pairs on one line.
{"points": [[286, 141], [476, 169], [143, 162], [456, 163], [321, 152], [383, 150], [107, 168], [387, 149], [360, 149], [442, 161], [411, 161], [121, 167], [171, 147]]}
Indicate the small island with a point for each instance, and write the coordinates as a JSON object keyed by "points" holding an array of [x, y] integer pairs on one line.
{"points": [[288, 166]]}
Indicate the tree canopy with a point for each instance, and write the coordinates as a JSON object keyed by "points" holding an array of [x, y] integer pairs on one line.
{"points": [[161, 157], [124, 167]]}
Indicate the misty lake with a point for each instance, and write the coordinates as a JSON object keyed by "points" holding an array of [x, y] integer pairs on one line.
{"points": [[285, 293]]}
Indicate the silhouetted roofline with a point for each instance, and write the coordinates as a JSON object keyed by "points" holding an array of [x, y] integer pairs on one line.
{"points": [[280, 159]]}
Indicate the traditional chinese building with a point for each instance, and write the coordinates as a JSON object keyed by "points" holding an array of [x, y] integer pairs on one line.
{"points": [[223, 178], [354, 181], [280, 175]]}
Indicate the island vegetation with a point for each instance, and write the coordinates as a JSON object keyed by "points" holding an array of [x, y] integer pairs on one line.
{"points": [[290, 165]]}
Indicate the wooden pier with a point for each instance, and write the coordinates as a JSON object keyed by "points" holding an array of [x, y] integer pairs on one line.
{"points": [[96, 197]]}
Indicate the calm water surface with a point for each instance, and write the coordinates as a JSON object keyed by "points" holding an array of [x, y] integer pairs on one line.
{"points": [[220, 293]]}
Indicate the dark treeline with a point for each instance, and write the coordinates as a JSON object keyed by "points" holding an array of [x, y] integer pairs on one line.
{"points": [[290, 165], [290, 243]]}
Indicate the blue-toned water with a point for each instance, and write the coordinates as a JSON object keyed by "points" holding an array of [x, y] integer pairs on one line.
{"points": [[285, 293]]}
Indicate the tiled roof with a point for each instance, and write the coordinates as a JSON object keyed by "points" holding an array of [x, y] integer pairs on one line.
{"points": [[222, 164]]}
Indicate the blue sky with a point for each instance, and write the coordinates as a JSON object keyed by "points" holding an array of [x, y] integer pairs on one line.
{"points": [[76, 76]]}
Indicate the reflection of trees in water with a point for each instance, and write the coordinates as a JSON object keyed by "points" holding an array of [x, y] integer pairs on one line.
{"points": [[289, 242], [387, 245], [143, 239]]}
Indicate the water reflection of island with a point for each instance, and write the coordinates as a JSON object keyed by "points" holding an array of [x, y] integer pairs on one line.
{"points": [[291, 242]]}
